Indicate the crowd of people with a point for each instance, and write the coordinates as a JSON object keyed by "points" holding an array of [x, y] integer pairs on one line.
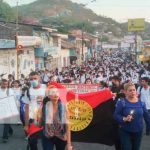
{"points": [[115, 70]]}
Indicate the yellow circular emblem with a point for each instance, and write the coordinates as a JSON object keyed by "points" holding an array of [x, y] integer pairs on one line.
{"points": [[80, 114]]}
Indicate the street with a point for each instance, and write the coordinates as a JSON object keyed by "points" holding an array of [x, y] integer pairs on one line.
{"points": [[18, 142]]}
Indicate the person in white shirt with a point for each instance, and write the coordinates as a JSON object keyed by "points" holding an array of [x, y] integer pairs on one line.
{"points": [[82, 78], [16, 88], [45, 77], [33, 102], [144, 94], [5, 92], [10, 79]]}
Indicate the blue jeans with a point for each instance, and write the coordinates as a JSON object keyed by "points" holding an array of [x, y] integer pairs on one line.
{"points": [[49, 143], [130, 140]]}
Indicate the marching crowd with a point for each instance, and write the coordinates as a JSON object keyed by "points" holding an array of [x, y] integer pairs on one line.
{"points": [[114, 70]]}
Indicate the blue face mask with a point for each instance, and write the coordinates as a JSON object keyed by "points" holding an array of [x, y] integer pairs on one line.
{"points": [[34, 83]]}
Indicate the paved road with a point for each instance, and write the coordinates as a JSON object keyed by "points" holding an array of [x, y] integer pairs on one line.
{"points": [[18, 142]]}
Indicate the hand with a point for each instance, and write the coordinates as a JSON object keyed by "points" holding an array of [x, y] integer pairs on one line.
{"points": [[69, 147], [26, 128], [129, 118], [114, 94]]}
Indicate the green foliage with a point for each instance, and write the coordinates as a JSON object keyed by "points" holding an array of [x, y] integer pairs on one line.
{"points": [[66, 15], [63, 13], [104, 39], [6, 12]]}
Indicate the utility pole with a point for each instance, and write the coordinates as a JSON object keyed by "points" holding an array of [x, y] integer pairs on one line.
{"points": [[17, 48], [82, 55], [136, 56]]}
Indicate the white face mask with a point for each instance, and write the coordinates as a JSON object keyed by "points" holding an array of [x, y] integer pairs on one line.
{"points": [[110, 83]]}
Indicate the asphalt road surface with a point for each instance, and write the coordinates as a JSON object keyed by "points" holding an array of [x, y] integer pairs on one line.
{"points": [[18, 142]]}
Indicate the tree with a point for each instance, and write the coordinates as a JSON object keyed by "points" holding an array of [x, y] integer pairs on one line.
{"points": [[6, 12]]}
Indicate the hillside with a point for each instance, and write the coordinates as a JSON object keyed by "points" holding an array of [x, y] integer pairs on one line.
{"points": [[67, 14], [6, 12]]}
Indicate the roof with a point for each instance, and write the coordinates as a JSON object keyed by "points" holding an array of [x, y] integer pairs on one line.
{"points": [[27, 24], [7, 44], [63, 36], [67, 44]]}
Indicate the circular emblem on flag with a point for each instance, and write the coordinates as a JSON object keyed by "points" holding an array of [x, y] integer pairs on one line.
{"points": [[80, 114]]}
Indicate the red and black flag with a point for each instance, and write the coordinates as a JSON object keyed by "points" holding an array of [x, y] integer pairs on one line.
{"points": [[91, 116]]}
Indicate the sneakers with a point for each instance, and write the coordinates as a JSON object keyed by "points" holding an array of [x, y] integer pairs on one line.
{"points": [[26, 138], [3, 140], [11, 132]]}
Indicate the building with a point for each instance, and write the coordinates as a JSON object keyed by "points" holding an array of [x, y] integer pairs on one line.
{"points": [[11, 64], [145, 56]]}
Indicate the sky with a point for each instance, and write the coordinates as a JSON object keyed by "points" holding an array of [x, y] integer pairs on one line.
{"points": [[120, 10]]}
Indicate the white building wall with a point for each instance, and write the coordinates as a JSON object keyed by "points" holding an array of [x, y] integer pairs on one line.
{"points": [[27, 61], [8, 62], [65, 54]]}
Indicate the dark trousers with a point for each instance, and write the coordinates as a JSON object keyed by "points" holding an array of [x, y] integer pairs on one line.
{"points": [[147, 127], [32, 144], [32, 140], [117, 144], [7, 130], [130, 140], [49, 143]]}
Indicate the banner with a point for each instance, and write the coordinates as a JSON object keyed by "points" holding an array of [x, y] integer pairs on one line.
{"points": [[25, 41], [8, 110], [146, 42], [91, 116], [136, 24], [81, 88]]}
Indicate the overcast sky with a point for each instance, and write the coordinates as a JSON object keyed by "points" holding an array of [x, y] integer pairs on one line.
{"points": [[120, 10]]}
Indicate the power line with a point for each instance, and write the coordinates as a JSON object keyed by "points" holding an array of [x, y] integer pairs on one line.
{"points": [[4, 25]]}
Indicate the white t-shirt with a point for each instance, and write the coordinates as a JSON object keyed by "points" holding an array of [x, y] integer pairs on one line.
{"points": [[6, 92], [145, 96], [17, 94], [36, 99], [45, 78]]}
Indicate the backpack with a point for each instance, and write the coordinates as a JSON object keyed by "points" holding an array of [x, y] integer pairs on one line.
{"points": [[25, 90], [141, 90]]}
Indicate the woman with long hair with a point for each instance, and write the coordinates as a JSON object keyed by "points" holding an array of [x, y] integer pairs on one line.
{"points": [[55, 122]]}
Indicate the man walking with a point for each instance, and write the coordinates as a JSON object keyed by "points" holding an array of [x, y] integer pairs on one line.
{"points": [[6, 92], [33, 101], [144, 95]]}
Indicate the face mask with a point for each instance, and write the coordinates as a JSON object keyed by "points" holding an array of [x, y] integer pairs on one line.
{"points": [[34, 83], [110, 83]]}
